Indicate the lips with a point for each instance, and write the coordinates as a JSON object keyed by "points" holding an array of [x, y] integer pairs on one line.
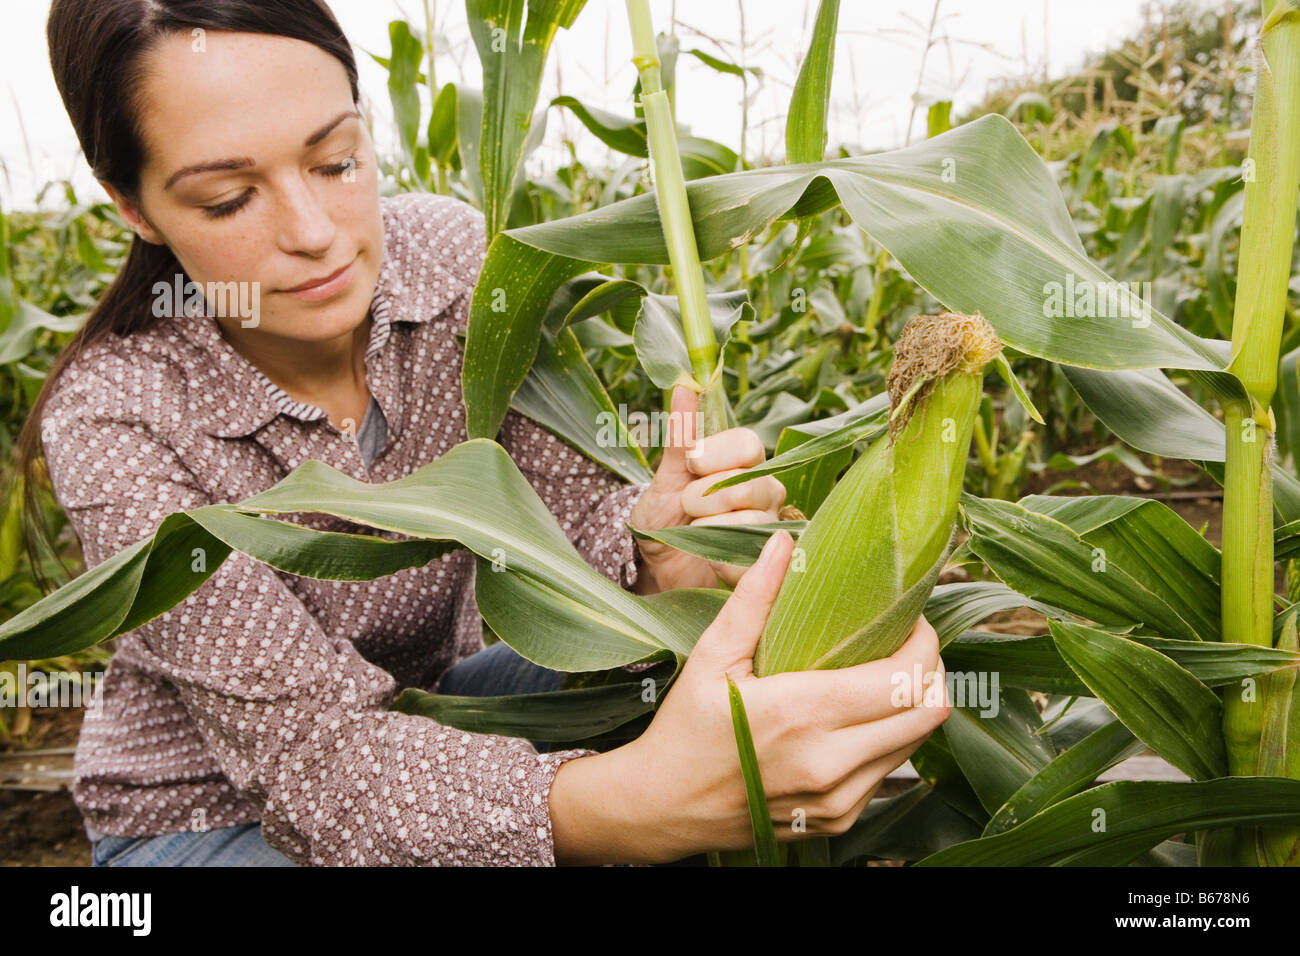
{"points": [[316, 283]]}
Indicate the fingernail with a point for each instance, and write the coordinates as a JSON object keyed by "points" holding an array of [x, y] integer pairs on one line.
{"points": [[769, 549]]}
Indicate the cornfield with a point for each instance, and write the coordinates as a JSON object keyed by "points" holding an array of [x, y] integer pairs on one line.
{"points": [[1126, 273]]}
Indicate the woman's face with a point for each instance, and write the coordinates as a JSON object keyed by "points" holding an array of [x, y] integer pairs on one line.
{"points": [[260, 170]]}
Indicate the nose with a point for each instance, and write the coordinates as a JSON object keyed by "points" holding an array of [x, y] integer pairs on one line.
{"points": [[305, 225]]}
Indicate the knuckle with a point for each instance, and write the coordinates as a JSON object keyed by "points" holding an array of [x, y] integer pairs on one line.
{"points": [[774, 717], [804, 780], [843, 823], [854, 813], [840, 804], [818, 777], [796, 718]]}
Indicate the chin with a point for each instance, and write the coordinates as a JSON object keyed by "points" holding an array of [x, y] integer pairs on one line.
{"points": [[322, 321]]}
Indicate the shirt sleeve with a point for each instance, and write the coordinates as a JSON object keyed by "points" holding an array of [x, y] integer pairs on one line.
{"points": [[297, 720]]}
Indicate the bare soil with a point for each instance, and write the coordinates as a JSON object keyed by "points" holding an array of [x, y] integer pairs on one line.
{"points": [[43, 828]]}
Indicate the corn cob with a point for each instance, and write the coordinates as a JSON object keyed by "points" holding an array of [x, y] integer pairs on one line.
{"points": [[872, 553]]}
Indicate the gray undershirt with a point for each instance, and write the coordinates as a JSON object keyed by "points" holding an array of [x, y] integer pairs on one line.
{"points": [[373, 434]]}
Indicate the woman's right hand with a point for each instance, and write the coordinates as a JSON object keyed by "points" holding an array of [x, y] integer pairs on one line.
{"points": [[825, 740]]}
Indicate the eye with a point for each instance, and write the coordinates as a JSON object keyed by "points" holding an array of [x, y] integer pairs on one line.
{"points": [[227, 208], [338, 169], [233, 206]]}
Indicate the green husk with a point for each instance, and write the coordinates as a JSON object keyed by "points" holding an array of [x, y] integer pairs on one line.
{"points": [[871, 555]]}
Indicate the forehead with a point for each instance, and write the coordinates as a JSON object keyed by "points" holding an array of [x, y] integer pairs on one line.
{"points": [[237, 93]]}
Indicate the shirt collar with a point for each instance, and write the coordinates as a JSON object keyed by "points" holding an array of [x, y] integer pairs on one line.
{"points": [[234, 399]]}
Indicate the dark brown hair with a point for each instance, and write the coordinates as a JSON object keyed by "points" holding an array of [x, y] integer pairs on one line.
{"points": [[97, 50]]}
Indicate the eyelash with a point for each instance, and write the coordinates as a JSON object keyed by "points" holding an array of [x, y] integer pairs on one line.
{"points": [[232, 207]]}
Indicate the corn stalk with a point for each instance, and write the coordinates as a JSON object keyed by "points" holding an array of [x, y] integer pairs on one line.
{"points": [[679, 231], [1267, 239]]}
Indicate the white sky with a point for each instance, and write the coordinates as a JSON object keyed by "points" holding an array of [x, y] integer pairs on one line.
{"points": [[878, 57]]}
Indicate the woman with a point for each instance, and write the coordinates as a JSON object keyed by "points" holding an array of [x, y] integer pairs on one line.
{"points": [[249, 725]]}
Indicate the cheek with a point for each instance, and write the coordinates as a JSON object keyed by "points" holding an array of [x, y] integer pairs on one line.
{"points": [[226, 258]]}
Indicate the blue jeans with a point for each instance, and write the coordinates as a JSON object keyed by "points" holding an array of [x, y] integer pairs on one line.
{"points": [[494, 671]]}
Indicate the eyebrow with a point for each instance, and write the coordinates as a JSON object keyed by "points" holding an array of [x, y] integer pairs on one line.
{"points": [[242, 162]]}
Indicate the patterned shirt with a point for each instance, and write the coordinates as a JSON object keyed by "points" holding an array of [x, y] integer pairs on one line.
{"points": [[263, 696]]}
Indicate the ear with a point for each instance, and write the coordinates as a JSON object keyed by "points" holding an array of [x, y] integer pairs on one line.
{"points": [[132, 216]]}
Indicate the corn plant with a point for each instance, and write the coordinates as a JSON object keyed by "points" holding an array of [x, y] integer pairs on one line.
{"points": [[1157, 639]]}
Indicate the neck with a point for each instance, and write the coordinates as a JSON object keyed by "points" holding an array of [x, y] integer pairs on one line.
{"points": [[305, 370]]}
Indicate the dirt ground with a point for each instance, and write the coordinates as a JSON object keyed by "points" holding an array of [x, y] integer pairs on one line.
{"points": [[45, 828]]}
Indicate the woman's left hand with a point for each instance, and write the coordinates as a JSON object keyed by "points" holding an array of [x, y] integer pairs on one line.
{"points": [[676, 497]]}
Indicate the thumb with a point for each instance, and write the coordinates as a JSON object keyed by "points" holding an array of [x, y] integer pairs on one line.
{"points": [[733, 636], [673, 474]]}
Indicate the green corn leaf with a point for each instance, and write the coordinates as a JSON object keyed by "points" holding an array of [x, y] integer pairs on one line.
{"points": [[563, 392], [1286, 405], [998, 747], [1115, 823], [994, 237], [805, 130], [1161, 703], [1146, 410], [724, 66], [472, 496], [1153, 544], [865, 422], [807, 486], [907, 827], [562, 715], [1033, 663], [403, 66], [1046, 559], [938, 118], [737, 544], [1170, 128], [469, 138], [1027, 662], [21, 322], [1168, 207], [442, 125], [513, 38], [765, 845], [1067, 774], [617, 132], [505, 348], [1007, 375], [954, 608], [661, 343], [936, 766], [1219, 283]]}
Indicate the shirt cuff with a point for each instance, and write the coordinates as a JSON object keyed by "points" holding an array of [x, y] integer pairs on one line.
{"points": [[548, 765]]}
